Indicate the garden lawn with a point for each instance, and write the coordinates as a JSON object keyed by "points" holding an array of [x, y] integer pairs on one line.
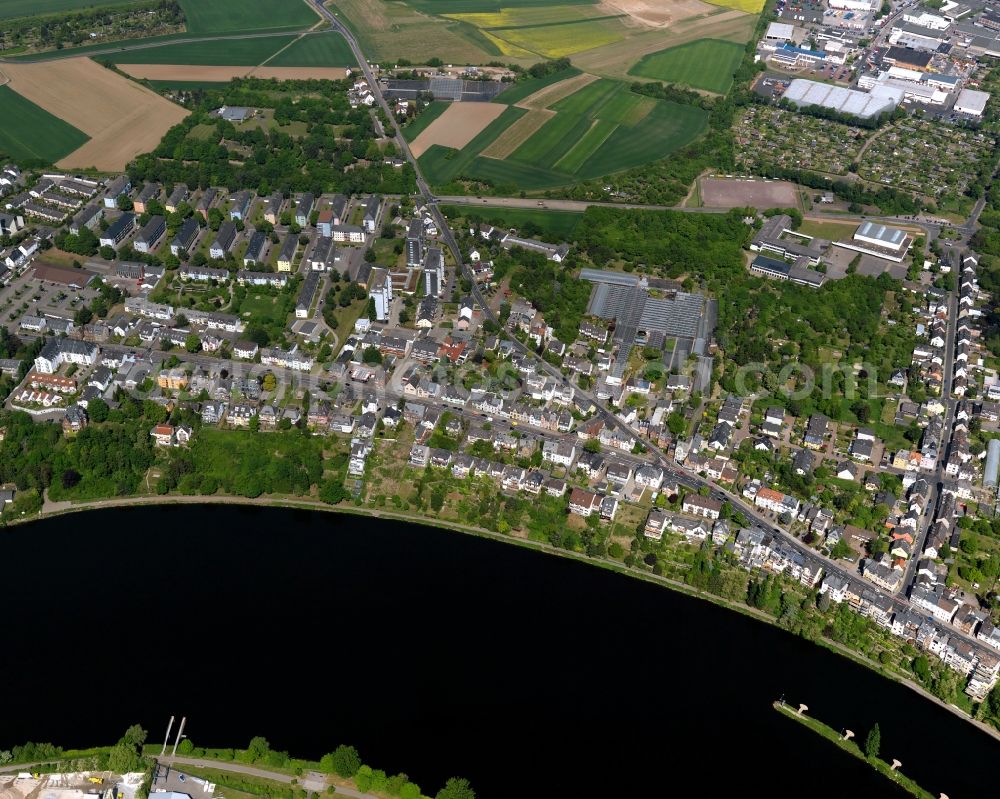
{"points": [[30, 133], [706, 64]]}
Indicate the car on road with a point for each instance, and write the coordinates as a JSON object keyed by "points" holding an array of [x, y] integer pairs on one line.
{"points": [[181, 777]]}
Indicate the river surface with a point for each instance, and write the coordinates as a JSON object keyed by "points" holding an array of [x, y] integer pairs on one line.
{"points": [[437, 654]]}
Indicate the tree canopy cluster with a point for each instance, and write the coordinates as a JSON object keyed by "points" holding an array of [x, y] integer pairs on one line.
{"points": [[337, 153]]}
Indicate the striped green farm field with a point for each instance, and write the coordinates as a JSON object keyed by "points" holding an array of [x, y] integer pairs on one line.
{"points": [[525, 88], [578, 154], [513, 175], [588, 99], [667, 127], [706, 64], [627, 108], [553, 140], [30, 133], [226, 52], [316, 50]]}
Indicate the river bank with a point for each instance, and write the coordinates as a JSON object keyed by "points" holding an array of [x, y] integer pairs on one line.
{"points": [[852, 748], [54, 509]]}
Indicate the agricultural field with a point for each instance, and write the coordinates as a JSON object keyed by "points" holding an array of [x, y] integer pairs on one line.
{"points": [[600, 128], [748, 6], [315, 50], [11, 9], [194, 76], [31, 133], [706, 64], [121, 117], [230, 16], [605, 38], [388, 30], [229, 52], [457, 126], [562, 39], [615, 60], [431, 112], [532, 87]]}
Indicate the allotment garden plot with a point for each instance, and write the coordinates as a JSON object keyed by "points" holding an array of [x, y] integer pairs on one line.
{"points": [[912, 155], [599, 128], [769, 137], [925, 158]]}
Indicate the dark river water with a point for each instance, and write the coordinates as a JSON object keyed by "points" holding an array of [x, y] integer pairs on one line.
{"points": [[436, 654]]}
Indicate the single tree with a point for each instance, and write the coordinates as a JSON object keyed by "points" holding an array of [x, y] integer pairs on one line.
{"points": [[873, 742], [456, 788], [346, 760]]}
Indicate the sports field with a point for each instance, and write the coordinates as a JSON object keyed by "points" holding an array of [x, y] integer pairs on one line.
{"points": [[30, 132], [706, 64], [228, 16], [600, 128], [228, 52], [315, 50]]}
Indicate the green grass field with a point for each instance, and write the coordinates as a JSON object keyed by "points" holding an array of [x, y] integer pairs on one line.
{"points": [[9, 9], [318, 50], [230, 52], [428, 115], [524, 88], [263, 308], [230, 16], [553, 225], [30, 133], [553, 140], [706, 64]]}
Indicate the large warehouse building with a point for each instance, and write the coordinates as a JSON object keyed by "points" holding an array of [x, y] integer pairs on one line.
{"points": [[972, 102], [864, 105]]}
